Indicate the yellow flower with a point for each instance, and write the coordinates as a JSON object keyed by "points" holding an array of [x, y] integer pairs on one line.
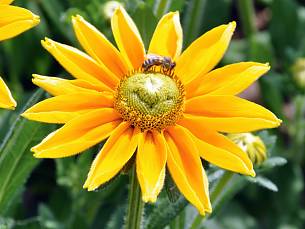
{"points": [[13, 21], [114, 95]]}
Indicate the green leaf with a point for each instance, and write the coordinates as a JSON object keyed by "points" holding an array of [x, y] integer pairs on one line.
{"points": [[171, 189], [215, 174], [273, 162], [47, 218], [165, 212], [233, 186], [268, 139], [16, 161], [6, 223], [117, 218], [264, 182], [285, 20]]}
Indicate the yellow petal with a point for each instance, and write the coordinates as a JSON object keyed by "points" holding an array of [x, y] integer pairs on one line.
{"points": [[63, 108], [118, 149], [150, 164], [80, 65], [8, 2], [186, 169], [229, 80], [204, 53], [15, 20], [128, 38], [97, 45], [167, 38], [228, 114], [79, 134], [219, 150], [6, 99], [230, 124], [58, 86], [220, 141]]}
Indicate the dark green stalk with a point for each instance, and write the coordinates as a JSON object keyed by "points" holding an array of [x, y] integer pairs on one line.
{"points": [[135, 203], [216, 192], [161, 7], [193, 20], [247, 16]]}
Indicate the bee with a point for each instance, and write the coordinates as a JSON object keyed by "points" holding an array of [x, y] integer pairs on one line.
{"points": [[165, 62]]}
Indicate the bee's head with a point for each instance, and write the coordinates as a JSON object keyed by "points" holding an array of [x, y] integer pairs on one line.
{"points": [[172, 65], [168, 63]]}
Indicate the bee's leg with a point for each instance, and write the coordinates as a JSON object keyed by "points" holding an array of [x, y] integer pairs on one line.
{"points": [[170, 72], [163, 69], [147, 68]]}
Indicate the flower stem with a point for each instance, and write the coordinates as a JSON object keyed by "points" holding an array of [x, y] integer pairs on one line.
{"points": [[247, 16], [135, 203], [193, 19], [161, 7], [223, 181], [219, 187]]}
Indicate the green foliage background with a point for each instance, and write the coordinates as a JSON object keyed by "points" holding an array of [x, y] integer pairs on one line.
{"points": [[48, 193]]}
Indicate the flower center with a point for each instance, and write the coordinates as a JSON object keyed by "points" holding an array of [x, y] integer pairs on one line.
{"points": [[150, 100]]}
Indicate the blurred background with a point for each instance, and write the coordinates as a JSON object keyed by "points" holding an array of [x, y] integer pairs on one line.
{"points": [[48, 193]]}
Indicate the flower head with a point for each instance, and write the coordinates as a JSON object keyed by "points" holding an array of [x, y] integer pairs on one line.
{"points": [[168, 108], [13, 21]]}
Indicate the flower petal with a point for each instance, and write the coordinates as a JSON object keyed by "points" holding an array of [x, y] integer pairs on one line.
{"points": [[63, 108], [8, 2], [58, 86], [186, 169], [118, 149], [6, 99], [80, 65], [97, 45], [128, 38], [167, 38], [229, 80], [228, 114], [220, 151], [204, 53], [150, 164], [15, 20], [79, 134]]}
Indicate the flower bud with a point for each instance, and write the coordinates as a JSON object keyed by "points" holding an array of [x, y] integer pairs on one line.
{"points": [[298, 71], [252, 145]]}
